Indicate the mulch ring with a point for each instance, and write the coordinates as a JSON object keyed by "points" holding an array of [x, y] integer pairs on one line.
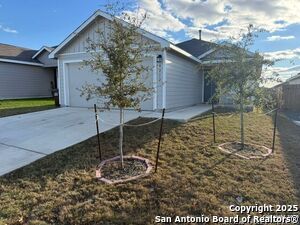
{"points": [[250, 151], [135, 167]]}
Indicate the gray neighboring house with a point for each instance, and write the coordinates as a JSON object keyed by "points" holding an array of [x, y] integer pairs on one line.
{"points": [[175, 78], [26, 73], [295, 80], [289, 93]]}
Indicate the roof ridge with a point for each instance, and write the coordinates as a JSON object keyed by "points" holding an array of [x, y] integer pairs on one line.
{"points": [[20, 47]]}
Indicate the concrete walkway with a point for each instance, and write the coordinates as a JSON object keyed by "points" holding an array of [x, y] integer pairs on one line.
{"points": [[182, 115], [28, 137]]}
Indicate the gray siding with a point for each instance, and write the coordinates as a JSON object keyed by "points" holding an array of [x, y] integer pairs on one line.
{"points": [[44, 58], [184, 82], [79, 43], [24, 81], [296, 81]]}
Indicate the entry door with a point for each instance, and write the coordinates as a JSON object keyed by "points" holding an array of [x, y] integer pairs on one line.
{"points": [[209, 89]]}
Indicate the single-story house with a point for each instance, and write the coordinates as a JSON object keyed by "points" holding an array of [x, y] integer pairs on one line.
{"points": [[176, 77], [26, 73]]}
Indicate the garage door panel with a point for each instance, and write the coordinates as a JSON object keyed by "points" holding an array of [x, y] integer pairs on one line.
{"points": [[79, 76]]}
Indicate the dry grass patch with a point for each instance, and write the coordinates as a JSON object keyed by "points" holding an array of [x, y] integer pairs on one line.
{"points": [[194, 177]]}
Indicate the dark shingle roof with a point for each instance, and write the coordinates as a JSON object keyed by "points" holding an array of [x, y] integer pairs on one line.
{"points": [[17, 53], [196, 47]]}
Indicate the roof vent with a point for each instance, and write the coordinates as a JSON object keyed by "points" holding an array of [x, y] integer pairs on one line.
{"points": [[200, 31]]}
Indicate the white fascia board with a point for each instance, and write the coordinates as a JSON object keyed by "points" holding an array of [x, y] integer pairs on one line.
{"points": [[206, 53], [40, 51], [72, 35], [216, 61], [179, 50], [21, 62], [164, 43], [147, 34]]}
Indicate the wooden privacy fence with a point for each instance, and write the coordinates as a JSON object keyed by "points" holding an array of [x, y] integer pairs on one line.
{"points": [[291, 97]]}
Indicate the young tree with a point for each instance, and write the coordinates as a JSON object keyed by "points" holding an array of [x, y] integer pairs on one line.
{"points": [[118, 55], [237, 71]]}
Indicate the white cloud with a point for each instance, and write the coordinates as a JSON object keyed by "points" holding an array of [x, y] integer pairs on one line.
{"points": [[159, 21], [8, 30], [283, 72], [209, 15], [284, 54], [278, 38]]}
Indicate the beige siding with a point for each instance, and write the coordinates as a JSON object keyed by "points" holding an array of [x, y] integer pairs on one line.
{"points": [[24, 81], [184, 82]]}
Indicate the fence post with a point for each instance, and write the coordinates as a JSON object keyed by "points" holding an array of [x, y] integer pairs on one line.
{"points": [[213, 116], [274, 131], [98, 136], [159, 140]]}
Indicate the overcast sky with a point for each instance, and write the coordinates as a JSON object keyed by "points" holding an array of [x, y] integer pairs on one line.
{"points": [[33, 23]]}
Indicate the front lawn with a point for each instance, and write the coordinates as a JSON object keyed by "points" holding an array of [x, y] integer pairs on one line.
{"points": [[20, 106], [193, 178]]}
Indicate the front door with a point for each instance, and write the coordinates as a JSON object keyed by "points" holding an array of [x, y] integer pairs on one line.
{"points": [[209, 89]]}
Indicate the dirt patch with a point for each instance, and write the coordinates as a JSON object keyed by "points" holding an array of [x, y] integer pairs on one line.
{"points": [[250, 151], [111, 171]]}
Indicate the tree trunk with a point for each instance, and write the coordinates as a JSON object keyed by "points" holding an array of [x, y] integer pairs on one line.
{"points": [[121, 137], [242, 118]]}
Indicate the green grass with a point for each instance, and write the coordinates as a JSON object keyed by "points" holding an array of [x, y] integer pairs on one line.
{"points": [[193, 177], [20, 106]]}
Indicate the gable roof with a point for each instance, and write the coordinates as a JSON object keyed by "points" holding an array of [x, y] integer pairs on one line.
{"points": [[96, 14], [44, 48], [164, 43], [11, 52], [197, 48]]}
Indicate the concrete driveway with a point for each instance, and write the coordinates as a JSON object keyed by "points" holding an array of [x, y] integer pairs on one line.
{"points": [[28, 137]]}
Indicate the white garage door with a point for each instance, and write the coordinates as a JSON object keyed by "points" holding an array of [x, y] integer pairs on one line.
{"points": [[78, 76]]}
